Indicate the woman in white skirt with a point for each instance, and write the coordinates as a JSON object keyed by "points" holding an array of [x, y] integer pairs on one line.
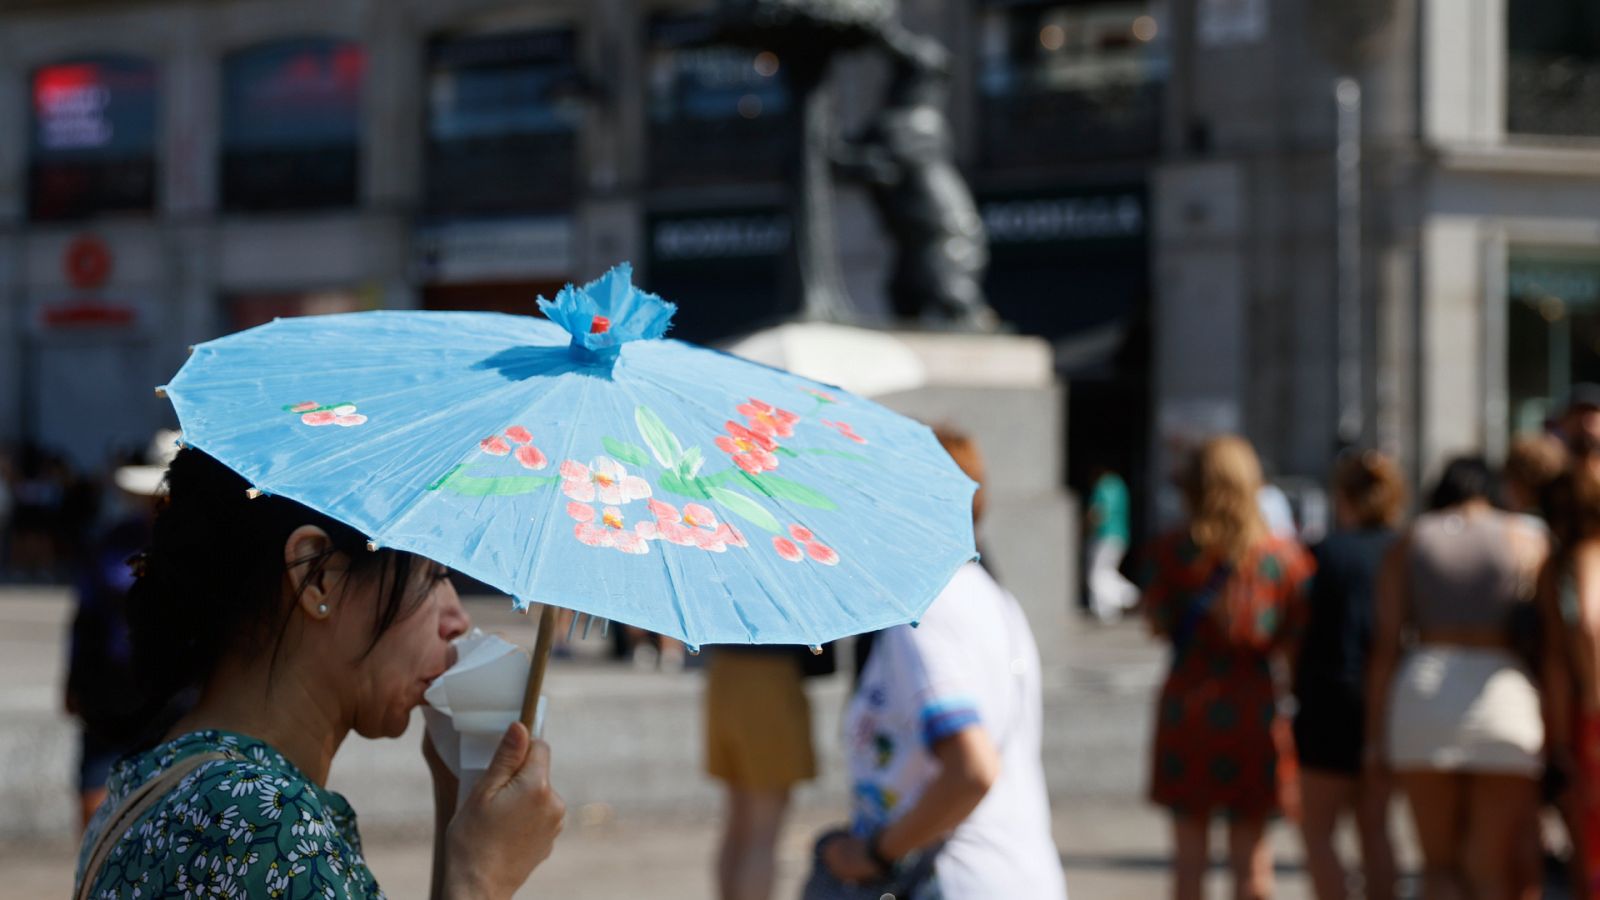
{"points": [[1457, 716]]}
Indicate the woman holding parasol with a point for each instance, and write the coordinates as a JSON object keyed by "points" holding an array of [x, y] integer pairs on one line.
{"points": [[297, 636], [583, 461]]}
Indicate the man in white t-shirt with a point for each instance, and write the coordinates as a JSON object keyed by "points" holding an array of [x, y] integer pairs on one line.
{"points": [[942, 739]]}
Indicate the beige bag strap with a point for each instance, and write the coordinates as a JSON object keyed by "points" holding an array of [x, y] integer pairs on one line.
{"points": [[134, 806]]}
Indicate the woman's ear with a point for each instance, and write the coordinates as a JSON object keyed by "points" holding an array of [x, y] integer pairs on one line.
{"points": [[309, 564]]}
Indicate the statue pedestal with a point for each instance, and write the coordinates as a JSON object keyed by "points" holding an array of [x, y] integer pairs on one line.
{"points": [[1002, 390]]}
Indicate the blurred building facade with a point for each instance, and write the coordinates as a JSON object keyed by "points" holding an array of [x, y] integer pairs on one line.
{"points": [[1160, 180]]}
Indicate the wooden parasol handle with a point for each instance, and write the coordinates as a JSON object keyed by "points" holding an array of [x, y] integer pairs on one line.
{"points": [[541, 658]]}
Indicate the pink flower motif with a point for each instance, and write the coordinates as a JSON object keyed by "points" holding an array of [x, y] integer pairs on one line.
{"points": [[822, 553], [494, 446], [518, 435], [824, 396], [316, 415], [609, 531], [695, 526], [817, 550], [603, 477], [768, 420], [845, 430], [787, 549], [531, 457], [751, 452]]}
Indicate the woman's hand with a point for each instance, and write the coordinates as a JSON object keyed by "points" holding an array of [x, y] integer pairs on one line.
{"points": [[508, 824], [847, 858]]}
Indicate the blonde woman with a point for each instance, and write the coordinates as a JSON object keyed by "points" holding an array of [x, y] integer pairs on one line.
{"points": [[1229, 597]]}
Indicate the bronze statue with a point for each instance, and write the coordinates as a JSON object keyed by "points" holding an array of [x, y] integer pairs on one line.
{"points": [[907, 158]]}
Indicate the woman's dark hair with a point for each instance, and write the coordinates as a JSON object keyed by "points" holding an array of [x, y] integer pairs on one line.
{"points": [[211, 581], [1465, 478]]}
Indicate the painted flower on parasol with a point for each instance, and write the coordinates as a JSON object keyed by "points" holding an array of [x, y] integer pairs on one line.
{"points": [[587, 462]]}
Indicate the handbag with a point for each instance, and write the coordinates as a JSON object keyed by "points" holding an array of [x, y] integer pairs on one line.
{"points": [[913, 878]]}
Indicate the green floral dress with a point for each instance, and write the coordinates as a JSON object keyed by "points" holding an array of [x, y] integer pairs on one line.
{"points": [[250, 825]]}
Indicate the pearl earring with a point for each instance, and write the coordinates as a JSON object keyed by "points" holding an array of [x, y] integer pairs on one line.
{"points": [[322, 609]]}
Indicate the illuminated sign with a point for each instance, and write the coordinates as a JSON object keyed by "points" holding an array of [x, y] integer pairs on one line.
{"points": [[293, 93], [103, 107]]}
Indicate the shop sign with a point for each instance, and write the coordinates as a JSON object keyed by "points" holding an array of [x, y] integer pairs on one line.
{"points": [[87, 263], [718, 236], [1031, 220]]}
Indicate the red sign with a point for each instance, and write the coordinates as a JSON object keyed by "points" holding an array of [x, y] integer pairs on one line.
{"points": [[87, 262], [87, 314]]}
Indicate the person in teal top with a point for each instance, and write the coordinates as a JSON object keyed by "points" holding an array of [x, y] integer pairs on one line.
{"points": [[1106, 536], [296, 635]]}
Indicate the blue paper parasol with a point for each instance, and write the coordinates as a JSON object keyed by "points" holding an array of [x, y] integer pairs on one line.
{"points": [[585, 462]]}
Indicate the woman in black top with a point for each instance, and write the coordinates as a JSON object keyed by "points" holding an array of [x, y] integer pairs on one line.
{"points": [[1329, 678]]}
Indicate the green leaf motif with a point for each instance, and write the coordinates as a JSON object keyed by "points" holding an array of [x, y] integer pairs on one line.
{"points": [[745, 508], [691, 462], [785, 451], [622, 451], [662, 442], [456, 482], [791, 491], [674, 482]]}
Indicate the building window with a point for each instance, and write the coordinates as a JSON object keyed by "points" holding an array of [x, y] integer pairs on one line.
{"points": [[1061, 82], [718, 114], [291, 125], [1553, 67], [93, 147], [503, 119], [1553, 333]]}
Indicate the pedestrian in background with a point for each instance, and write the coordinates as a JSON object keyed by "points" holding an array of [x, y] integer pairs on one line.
{"points": [[758, 744], [1229, 596], [1579, 424], [102, 690], [1106, 536], [1330, 679], [1458, 715], [942, 737], [1570, 587], [1533, 463]]}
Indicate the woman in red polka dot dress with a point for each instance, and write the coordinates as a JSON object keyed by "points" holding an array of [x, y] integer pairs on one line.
{"points": [[1230, 599]]}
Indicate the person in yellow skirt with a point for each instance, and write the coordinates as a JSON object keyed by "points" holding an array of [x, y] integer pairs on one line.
{"points": [[758, 744]]}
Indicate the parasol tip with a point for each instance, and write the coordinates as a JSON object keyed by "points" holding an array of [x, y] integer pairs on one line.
{"points": [[161, 391], [253, 493], [607, 313], [372, 546]]}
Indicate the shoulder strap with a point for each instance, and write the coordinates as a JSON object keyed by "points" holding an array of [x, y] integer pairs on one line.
{"points": [[1199, 606], [134, 806]]}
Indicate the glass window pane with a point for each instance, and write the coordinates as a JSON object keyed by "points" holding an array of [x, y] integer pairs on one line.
{"points": [[1069, 81], [503, 118], [718, 114], [93, 146], [1553, 332], [1553, 67], [291, 123]]}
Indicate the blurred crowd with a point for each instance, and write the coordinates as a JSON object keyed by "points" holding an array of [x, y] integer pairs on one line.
{"points": [[1449, 658], [50, 509]]}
